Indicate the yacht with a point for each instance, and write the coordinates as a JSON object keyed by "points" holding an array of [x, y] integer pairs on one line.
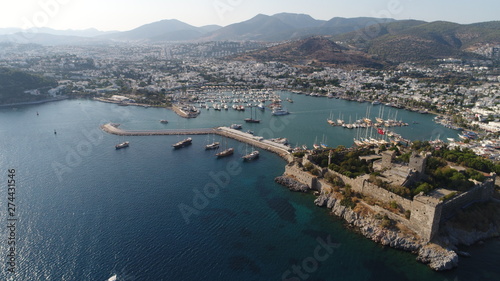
{"points": [[183, 143], [280, 111], [251, 156], [211, 146], [225, 153], [122, 145]]}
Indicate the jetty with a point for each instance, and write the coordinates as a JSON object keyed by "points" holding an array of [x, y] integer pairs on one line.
{"points": [[112, 128], [282, 150]]}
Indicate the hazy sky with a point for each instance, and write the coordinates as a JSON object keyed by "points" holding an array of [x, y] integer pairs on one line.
{"points": [[129, 14]]}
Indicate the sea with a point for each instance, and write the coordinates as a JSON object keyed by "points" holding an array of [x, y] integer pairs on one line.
{"points": [[81, 210]]}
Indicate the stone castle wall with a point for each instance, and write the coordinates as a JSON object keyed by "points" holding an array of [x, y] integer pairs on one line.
{"points": [[426, 212], [480, 193]]}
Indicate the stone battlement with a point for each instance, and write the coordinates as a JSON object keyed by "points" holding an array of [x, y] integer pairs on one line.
{"points": [[427, 212]]}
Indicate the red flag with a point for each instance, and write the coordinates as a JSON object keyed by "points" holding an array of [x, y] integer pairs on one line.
{"points": [[380, 131]]}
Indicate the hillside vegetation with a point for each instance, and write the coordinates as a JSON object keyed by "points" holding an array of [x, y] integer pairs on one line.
{"points": [[13, 84]]}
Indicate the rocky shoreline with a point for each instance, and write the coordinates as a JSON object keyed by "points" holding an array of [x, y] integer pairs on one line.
{"points": [[435, 256]]}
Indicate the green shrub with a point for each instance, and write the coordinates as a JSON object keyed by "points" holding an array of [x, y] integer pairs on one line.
{"points": [[448, 196], [393, 205], [407, 214], [308, 166], [385, 222]]}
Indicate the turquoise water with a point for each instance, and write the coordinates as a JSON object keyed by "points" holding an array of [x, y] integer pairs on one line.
{"points": [[87, 211]]}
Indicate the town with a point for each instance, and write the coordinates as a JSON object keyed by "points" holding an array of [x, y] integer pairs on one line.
{"points": [[464, 94]]}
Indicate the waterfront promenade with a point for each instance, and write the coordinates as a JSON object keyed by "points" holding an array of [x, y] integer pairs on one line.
{"points": [[282, 150]]}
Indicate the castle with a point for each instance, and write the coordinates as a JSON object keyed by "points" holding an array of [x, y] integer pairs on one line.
{"points": [[427, 212]]}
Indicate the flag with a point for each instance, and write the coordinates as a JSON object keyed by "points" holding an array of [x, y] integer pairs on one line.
{"points": [[380, 131]]}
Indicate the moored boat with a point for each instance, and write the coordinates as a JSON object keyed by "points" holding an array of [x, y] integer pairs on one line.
{"points": [[211, 146], [225, 153], [251, 156], [122, 145], [183, 143]]}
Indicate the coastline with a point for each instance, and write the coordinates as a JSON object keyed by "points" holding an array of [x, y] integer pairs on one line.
{"points": [[33, 102], [440, 254]]}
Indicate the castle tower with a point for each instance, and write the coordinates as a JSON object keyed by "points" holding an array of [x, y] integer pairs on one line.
{"points": [[387, 158], [418, 162]]}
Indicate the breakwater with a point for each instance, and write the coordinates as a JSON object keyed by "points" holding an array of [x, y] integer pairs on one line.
{"points": [[256, 141]]}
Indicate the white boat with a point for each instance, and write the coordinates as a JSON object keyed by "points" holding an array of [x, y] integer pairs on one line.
{"points": [[251, 156], [122, 145], [211, 146], [280, 111], [112, 278]]}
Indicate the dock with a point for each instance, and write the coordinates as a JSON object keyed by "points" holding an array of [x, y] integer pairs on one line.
{"points": [[281, 150]]}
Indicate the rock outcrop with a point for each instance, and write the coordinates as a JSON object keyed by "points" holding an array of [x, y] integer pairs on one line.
{"points": [[436, 257], [292, 184]]}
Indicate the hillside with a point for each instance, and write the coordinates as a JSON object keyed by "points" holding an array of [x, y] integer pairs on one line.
{"points": [[164, 30], [417, 41], [287, 26], [13, 83], [313, 51]]}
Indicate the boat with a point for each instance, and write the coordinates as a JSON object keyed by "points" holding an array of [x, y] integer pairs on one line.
{"points": [[251, 120], [183, 143], [225, 153], [122, 145], [323, 143], [251, 156], [163, 121], [235, 127], [211, 146], [315, 144], [330, 119], [279, 111], [261, 106], [112, 278]]}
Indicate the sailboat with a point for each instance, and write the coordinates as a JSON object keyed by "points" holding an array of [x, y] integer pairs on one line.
{"points": [[330, 120], [251, 156], [213, 145], [225, 152], [323, 143], [251, 120], [183, 143], [315, 145]]}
